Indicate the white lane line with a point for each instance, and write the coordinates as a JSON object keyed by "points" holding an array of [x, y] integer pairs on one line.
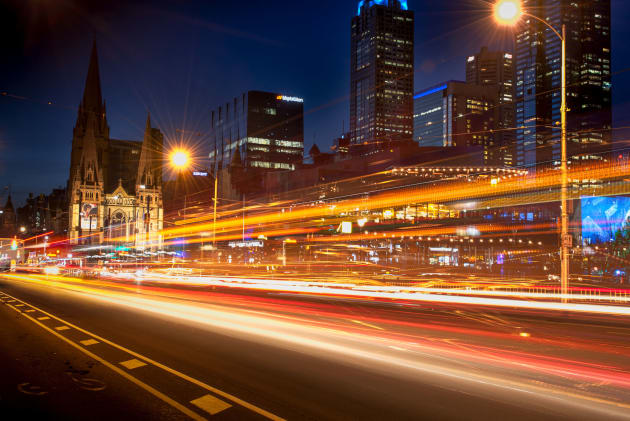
{"points": [[29, 311], [88, 342], [131, 364], [43, 318], [62, 328], [210, 404]]}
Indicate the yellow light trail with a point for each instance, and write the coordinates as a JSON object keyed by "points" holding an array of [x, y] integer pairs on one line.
{"points": [[514, 190]]}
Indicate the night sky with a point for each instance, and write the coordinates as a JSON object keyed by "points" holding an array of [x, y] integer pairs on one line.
{"points": [[180, 59]]}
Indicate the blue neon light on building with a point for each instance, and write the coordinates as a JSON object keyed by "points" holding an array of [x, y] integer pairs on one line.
{"points": [[430, 91], [403, 4]]}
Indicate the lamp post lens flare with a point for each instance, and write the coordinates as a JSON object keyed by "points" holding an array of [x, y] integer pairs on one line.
{"points": [[180, 158], [508, 12]]}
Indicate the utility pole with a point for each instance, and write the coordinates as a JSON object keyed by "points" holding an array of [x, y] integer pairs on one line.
{"points": [[214, 216], [567, 239]]}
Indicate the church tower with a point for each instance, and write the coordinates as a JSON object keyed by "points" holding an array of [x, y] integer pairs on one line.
{"points": [[149, 189], [89, 145], [91, 112], [115, 185]]}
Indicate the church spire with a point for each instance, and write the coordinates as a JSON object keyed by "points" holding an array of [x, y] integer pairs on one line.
{"points": [[149, 173], [92, 107], [92, 97]]}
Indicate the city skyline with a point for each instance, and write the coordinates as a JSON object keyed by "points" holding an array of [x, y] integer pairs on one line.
{"points": [[368, 209], [129, 82]]}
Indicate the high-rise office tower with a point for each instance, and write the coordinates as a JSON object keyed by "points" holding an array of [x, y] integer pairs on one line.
{"points": [[538, 81], [381, 75], [267, 130], [457, 114], [496, 69]]}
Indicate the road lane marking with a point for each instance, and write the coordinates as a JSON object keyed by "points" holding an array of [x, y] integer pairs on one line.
{"points": [[43, 318], [29, 311], [210, 404], [120, 371], [88, 342], [174, 372], [367, 324], [62, 328], [19, 305], [131, 364]]}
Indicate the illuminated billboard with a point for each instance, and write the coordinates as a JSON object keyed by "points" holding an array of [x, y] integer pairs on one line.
{"points": [[602, 217], [89, 216]]}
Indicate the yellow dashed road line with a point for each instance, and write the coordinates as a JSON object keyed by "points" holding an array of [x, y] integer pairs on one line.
{"points": [[120, 371], [133, 363], [208, 403]]}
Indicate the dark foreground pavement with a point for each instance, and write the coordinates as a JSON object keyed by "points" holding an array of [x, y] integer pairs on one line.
{"points": [[44, 378]]}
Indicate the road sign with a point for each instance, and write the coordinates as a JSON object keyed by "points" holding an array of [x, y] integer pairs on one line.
{"points": [[567, 240]]}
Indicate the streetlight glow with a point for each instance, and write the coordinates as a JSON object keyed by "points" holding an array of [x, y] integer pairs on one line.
{"points": [[179, 158], [508, 12]]}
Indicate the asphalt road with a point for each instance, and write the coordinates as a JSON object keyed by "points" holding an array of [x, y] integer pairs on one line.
{"points": [[156, 353]]}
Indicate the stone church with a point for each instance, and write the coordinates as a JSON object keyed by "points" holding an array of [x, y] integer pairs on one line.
{"points": [[115, 186]]}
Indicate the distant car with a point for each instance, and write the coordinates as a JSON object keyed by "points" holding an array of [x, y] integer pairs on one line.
{"points": [[552, 277]]}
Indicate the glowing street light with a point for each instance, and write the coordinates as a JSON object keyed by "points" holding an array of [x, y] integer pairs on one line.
{"points": [[508, 12], [180, 159]]}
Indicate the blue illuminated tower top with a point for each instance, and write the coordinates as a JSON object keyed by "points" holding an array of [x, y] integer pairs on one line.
{"points": [[402, 4]]}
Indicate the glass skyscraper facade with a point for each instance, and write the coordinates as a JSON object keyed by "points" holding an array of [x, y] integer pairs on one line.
{"points": [[381, 76], [429, 114], [496, 69], [266, 128], [538, 82], [458, 114]]}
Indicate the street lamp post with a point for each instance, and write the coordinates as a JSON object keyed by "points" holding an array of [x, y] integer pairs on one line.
{"points": [[214, 212], [180, 159], [509, 12]]}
